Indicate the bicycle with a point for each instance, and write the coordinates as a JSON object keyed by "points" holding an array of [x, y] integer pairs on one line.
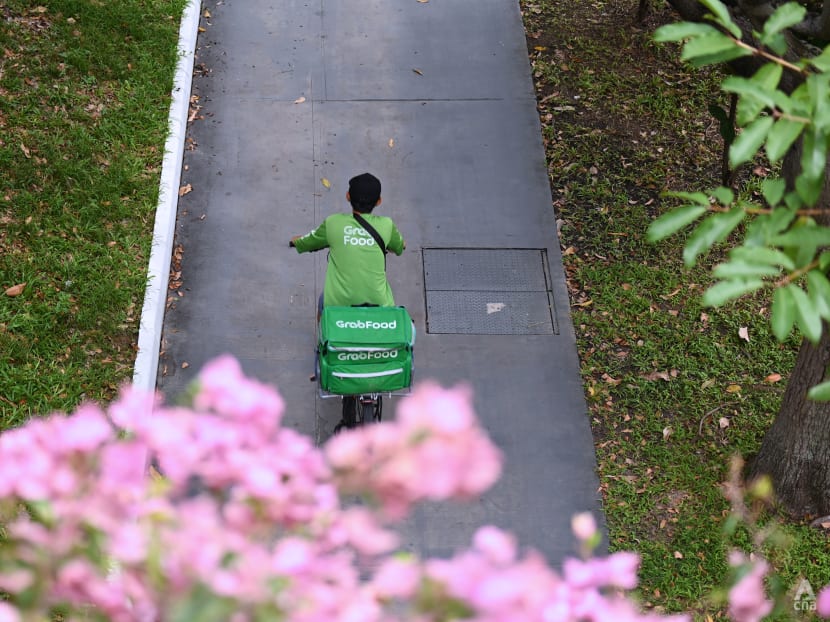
{"points": [[364, 353]]}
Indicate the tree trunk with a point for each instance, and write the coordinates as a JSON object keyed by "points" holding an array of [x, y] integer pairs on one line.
{"points": [[795, 451]]}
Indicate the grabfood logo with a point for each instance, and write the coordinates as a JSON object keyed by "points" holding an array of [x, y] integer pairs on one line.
{"points": [[368, 325], [367, 356], [357, 236]]}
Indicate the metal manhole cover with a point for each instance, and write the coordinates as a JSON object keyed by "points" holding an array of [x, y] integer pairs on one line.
{"points": [[488, 292]]}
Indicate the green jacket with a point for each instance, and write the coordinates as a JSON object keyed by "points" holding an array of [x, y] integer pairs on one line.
{"points": [[356, 272]]}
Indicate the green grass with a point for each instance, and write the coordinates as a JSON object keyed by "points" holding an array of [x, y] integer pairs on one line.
{"points": [[673, 389], [84, 98]]}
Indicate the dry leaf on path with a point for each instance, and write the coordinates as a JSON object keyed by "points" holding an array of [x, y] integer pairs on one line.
{"points": [[418, 71], [326, 183], [773, 378], [299, 100], [15, 290], [185, 190], [391, 142]]}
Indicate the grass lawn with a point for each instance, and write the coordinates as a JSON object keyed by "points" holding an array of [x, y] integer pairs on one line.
{"points": [[674, 389], [84, 98]]}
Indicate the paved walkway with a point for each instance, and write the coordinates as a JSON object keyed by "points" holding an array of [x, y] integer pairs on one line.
{"points": [[435, 98]]}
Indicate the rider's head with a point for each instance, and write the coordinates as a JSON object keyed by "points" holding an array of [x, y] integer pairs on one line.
{"points": [[364, 193]]}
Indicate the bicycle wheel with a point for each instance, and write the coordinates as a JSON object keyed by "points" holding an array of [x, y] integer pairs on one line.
{"points": [[348, 418], [370, 409], [365, 410]]}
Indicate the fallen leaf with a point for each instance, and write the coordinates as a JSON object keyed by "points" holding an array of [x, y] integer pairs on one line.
{"points": [[569, 251], [185, 190], [391, 142], [418, 71], [733, 388], [723, 423], [25, 150], [299, 100], [494, 307], [185, 365], [202, 29], [15, 290], [678, 555], [657, 375], [743, 333], [667, 432], [707, 383], [423, 1], [540, 48], [206, 14], [773, 378], [326, 183]]}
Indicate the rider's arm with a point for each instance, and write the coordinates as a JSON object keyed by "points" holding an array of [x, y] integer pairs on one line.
{"points": [[396, 242], [313, 241]]}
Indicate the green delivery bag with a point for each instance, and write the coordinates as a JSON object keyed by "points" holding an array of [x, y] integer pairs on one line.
{"points": [[365, 350]]}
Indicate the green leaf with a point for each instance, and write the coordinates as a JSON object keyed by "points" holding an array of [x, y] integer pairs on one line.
{"points": [[777, 43], [695, 197], [762, 255], [808, 190], [809, 321], [807, 235], [712, 49], [820, 392], [822, 61], [749, 141], [784, 16], [773, 190], [819, 289], [723, 195], [781, 137], [817, 88], [743, 269], [782, 316], [725, 125], [723, 292], [814, 157], [682, 30], [712, 230], [760, 86], [721, 15], [674, 221]]}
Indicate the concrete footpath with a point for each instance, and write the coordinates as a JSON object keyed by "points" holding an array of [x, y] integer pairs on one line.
{"points": [[435, 98]]}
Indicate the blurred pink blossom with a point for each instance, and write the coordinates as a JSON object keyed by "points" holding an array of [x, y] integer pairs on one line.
{"points": [[747, 598]]}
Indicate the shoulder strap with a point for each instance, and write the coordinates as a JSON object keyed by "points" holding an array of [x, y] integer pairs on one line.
{"points": [[371, 231]]}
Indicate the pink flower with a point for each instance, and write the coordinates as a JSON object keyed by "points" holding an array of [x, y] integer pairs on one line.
{"points": [[747, 598], [498, 546], [225, 390], [398, 577], [84, 431], [584, 526], [823, 602], [8, 613]]}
